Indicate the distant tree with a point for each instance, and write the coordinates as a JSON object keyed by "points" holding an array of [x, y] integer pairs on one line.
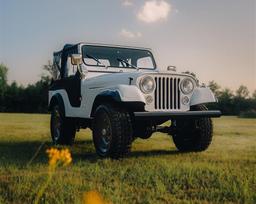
{"points": [[226, 94], [36, 95], [216, 89], [51, 71], [226, 101], [3, 79], [3, 84], [242, 92], [253, 101], [14, 98], [241, 100], [254, 95]]}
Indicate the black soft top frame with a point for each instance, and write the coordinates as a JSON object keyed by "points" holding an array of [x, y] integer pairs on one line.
{"points": [[63, 54]]}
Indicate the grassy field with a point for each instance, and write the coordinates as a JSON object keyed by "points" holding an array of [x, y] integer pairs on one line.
{"points": [[153, 173]]}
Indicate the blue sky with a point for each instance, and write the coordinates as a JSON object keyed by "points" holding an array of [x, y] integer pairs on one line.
{"points": [[214, 39]]}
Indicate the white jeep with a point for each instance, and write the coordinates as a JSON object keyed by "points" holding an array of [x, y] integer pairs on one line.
{"points": [[120, 94]]}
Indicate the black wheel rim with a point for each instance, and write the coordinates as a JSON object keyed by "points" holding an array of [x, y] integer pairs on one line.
{"points": [[56, 123], [103, 132]]}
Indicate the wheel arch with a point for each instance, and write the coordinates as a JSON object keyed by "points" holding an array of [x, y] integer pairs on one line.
{"points": [[105, 97], [113, 96], [57, 99]]}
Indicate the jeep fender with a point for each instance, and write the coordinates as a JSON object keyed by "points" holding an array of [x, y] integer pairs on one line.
{"points": [[130, 93], [121, 93], [57, 99], [202, 95]]}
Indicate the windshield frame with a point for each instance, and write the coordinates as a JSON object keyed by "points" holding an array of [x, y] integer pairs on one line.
{"points": [[129, 48]]}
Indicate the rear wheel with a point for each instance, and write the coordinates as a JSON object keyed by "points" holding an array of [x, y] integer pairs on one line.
{"points": [[63, 129], [112, 131], [193, 134]]}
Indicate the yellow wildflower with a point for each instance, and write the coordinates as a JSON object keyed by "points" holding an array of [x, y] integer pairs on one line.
{"points": [[93, 197], [63, 156]]}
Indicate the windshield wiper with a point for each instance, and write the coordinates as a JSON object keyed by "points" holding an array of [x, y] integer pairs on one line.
{"points": [[127, 63], [97, 60]]}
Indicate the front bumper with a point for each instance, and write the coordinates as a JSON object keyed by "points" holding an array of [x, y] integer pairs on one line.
{"points": [[178, 114]]}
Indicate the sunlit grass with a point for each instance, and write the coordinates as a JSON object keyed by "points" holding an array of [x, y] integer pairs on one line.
{"points": [[153, 173]]}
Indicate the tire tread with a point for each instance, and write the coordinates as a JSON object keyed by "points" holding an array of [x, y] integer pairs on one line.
{"points": [[187, 140]]}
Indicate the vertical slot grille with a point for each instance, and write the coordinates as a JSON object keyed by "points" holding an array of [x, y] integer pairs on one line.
{"points": [[167, 93]]}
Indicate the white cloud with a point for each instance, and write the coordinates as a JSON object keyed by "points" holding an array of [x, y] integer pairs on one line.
{"points": [[154, 10], [129, 34], [127, 2]]}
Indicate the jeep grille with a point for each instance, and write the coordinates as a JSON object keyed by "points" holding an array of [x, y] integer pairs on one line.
{"points": [[167, 93]]}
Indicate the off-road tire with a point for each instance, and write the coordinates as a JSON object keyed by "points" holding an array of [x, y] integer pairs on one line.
{"points": [[66, 127], [193, 135], [112, 131]]}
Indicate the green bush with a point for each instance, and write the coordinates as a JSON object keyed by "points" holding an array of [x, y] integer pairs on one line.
{"points": [[248, 114]]}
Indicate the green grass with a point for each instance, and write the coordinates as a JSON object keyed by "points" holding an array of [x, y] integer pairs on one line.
{"points": [[153, 173]]}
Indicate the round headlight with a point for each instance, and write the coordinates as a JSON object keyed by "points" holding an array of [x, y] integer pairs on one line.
{"points": [[187, 86], [147, 84]]}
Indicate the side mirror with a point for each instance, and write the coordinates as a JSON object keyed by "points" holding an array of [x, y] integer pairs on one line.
{"points": [[171, 68], [76, 59]]}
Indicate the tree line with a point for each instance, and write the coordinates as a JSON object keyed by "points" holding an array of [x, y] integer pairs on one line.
{"points": [[34, 97], [16, 98], [239, 103]]}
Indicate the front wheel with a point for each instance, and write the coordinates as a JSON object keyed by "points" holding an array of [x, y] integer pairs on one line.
{"points": [[112, 131], [193, 134], [63, 129]]}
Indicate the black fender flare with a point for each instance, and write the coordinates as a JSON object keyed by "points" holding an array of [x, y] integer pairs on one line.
{"points": [[113, 96], [106, 96], [57, 99]]}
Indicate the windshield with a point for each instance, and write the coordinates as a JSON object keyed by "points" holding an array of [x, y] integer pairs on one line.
{"points": [[117, 57]]}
